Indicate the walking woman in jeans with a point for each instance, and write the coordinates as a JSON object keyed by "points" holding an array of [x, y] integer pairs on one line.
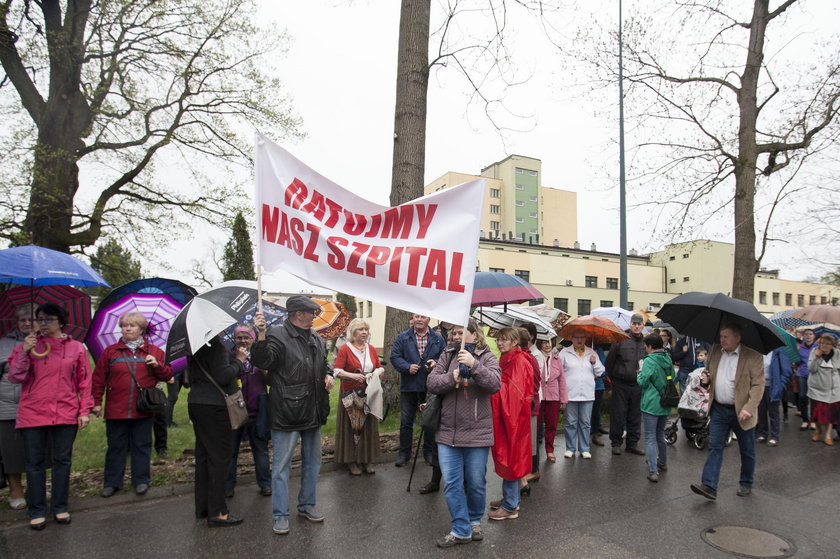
{"points": [[465, 379], [656, 367]]}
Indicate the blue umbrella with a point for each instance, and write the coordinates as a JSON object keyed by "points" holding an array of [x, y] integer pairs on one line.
{"points": [[33, 265], [180, 292]]}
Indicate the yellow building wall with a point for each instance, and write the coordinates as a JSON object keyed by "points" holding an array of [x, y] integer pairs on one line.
{"points": [[453, 179], [558, 217]]}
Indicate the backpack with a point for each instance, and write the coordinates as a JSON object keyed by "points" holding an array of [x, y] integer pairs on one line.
{"points": [[670, 397]]}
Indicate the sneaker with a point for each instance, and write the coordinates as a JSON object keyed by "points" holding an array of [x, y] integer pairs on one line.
{"points": [[311, 513], [804, 426], [635, 450], [495, 505], [17, 504], [586, 455], [744, 490], [772, 442], [281, 525], [502, 514], [569, 454], [477, 534], [401, 461], [265, 491], [760, 439], [705, 491], [616, 450], [653, 477], [450, 540], [662, 467]]}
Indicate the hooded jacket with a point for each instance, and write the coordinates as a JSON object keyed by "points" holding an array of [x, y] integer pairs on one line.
{"points": [[656, 367], [466, 416], [56, 386], [111, 377]]}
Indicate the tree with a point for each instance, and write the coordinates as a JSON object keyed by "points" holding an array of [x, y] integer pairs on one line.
{"points": [[348, 301], [727, 117], [116, 264], [238, 259], [114, 86]]}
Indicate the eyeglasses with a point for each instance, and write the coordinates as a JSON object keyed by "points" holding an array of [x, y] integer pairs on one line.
{"points": [[46, 320]]}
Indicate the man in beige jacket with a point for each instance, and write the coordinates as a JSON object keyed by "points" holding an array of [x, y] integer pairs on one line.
{"points": [[737, 385]]}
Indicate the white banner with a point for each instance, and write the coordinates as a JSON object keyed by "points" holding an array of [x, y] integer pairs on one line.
{"points": [[419, 257]]}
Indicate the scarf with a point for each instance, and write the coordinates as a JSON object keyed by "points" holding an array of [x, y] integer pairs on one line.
{"points": [[133, 344]]}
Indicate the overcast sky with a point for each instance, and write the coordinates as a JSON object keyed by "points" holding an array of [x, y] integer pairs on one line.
{"points": [[340, 71]]}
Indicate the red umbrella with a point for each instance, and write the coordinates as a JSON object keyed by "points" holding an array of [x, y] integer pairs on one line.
{"points": [[76, 303]]}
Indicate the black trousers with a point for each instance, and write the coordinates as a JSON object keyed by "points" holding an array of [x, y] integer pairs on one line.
{"points": [[626, 413], [213, 440], [159, 429]]}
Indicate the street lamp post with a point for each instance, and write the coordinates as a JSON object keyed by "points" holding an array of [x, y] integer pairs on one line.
{"points": [[622, 270]]}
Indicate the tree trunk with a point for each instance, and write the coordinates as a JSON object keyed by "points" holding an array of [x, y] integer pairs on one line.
{"points": [[409, 129], [746, 264]]}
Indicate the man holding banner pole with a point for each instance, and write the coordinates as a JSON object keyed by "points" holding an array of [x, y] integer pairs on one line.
{"points": [[414, 354]]}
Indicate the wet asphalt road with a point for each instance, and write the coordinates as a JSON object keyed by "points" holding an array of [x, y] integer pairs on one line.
{"points": [[601, 508]]}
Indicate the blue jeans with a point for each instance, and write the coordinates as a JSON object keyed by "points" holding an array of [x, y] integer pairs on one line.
{"points": [[576, 422], [510, 495], [654, 426], [259, 449], [132, 436], [768, 417], [310, 454], [466, 504], [35, 442], [409, 404], [682, 379], [722, 419]]}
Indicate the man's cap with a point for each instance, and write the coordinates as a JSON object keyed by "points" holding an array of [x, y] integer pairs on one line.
{"points": [[301, 303], [637, 319]]}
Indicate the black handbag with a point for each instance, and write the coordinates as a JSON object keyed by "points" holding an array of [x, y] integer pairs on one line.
{"points": [[151, 399], [430, 416]]}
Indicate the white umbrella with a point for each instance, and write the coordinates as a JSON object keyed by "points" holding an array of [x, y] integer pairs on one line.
{"points": [[498, 317]]}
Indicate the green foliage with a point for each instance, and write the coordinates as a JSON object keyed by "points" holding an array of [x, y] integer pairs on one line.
{"points": [[238, 258], [348, 301], [832, 278], [116, 264]]}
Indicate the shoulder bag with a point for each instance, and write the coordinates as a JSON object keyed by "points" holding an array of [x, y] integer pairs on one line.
{"points": [[151, 399], [235, 403]]}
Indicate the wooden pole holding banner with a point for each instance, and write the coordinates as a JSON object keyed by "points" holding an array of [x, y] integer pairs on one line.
{"points": [[259, 288]]}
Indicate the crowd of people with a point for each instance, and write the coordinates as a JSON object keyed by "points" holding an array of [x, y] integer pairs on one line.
{"points": [[499, 397]]}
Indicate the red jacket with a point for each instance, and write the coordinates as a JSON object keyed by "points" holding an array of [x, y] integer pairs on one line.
{"points": [[56, 386], [112, 375], [512, 416]]}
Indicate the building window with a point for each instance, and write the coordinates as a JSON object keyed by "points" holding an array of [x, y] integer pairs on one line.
{"points": [[584, 306], [686, 278], [370, 309], [494, 225], [502, 270], [673, 280], [800, 300], [685, 255], [762, 297], [605, 303], [533, 231], [533, 302], [520, 220], [532, 198], [591, 281], [812, 299], [789, 299], [561, 303], [522, 274], [775, 298], [494, 209], [532, 173], [672, 258], [532, 214], [520, 203], [520, 171], [520, 187], [612, 283], [361, 313], [630, 304], [494, 193]]}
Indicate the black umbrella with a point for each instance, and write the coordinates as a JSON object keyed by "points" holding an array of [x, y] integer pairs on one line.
{"points": [[702, 315]]}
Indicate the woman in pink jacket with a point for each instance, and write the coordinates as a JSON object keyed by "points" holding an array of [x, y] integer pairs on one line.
{"points": [[55, 402], [553, 393]]}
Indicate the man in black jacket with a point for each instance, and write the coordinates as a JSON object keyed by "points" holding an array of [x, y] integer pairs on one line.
{"points": [[300, 380], [625, 411]]}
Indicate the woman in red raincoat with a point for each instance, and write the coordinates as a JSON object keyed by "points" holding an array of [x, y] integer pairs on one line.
{"points": [[512, 423]]}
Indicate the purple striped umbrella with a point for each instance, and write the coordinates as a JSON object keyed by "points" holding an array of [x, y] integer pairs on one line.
{"points": [[159, 309], [76, 303]]}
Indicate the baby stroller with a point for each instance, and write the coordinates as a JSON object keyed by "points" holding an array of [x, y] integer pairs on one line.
{"points": [[693, 415]]}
